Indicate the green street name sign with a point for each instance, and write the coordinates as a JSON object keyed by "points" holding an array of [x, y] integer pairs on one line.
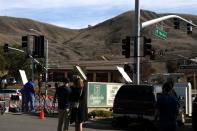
{"points": [[188, 66], [160, 33]]}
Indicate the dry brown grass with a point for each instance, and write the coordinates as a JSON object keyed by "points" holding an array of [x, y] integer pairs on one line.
{"points": [[103, 39]]}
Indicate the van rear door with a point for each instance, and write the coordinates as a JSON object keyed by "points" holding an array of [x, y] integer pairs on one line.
{"points": [[135, 100]]}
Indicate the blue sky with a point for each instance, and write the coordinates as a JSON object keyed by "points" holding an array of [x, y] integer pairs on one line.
{"points": [[76, 14]]}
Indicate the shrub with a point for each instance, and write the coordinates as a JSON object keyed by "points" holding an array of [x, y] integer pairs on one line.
{"points": [[99, 113]]}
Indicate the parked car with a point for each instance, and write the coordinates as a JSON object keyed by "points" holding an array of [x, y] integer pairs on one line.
{"points": [[194, 115], [7, 93], [136, 103], [11, 80]]}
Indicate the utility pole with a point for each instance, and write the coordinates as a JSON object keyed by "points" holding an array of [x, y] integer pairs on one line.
{"points": [[137, 43], [46, 66], [46, 70], [137, 30], [32, 73], [46, 60]]}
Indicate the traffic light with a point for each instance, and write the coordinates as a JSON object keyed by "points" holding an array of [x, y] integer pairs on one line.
{"points": [[148, 49], [5, 47], [189, 29], [147, 46], [127, 68], [36, 47], [24, 41], [126, 47], [42, 46], [38, 51], [176, 23]]}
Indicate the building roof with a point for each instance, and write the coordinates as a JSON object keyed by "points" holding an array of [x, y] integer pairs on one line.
{"points": [[89, 65]]}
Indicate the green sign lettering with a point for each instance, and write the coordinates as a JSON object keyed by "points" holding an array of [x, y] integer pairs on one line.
{"points": [[160, 33]]}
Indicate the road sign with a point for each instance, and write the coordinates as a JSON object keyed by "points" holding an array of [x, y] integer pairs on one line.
{"points": [[188, 66], [159, 32]]}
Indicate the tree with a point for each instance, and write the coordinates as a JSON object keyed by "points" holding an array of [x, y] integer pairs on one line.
{"points": [[14, 61], [3, 64]]}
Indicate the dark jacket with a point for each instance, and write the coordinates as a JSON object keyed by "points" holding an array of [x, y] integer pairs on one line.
{"points": [[78, 114], [167, 105], [63, 94], [76, 94], [29, 88]]}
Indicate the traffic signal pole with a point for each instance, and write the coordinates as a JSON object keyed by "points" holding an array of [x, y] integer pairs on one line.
{"points": [[33, 60], [22, 51], [32, 73], [46, 70], [137, 26], [157, 20], [46, 66], [137, 29]]}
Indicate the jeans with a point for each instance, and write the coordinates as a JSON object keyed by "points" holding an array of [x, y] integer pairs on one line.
{"points": [[30, 99], [63, 119]]}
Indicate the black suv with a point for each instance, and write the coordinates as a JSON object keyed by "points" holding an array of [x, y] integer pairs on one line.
{"points": [[135, 103], [194, 114]]}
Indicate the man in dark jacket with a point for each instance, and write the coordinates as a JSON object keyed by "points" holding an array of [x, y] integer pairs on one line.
{"points": [[167, 109], [63, 93]]}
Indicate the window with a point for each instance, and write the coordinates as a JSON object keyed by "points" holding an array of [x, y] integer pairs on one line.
{"points": [[101, 77], [58, 76], [90, 77]]}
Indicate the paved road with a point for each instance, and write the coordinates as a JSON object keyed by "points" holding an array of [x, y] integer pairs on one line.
{"points": [[25, 122]]}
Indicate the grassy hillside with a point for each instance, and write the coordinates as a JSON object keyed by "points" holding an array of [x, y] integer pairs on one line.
{"points": [[103, 39]]}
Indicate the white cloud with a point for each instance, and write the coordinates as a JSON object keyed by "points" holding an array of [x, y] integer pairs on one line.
{"points": [[80, 13], [166, 4], [63, 24], [112, 3], [37, 4], [81, 24]]}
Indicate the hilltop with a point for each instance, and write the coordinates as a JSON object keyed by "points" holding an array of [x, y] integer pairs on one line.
{"points": [[103, 39]]}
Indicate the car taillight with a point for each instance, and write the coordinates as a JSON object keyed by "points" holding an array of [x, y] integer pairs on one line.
{"points": [[18, 94]]}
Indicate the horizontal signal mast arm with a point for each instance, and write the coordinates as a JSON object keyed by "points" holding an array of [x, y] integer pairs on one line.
{"points": [[154, 21]]}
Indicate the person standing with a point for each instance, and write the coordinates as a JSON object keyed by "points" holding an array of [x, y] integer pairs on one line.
{"points": [[29, 95], [78, 108], [62, 94], [23, 93], [167, 109], [55, 94]]}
